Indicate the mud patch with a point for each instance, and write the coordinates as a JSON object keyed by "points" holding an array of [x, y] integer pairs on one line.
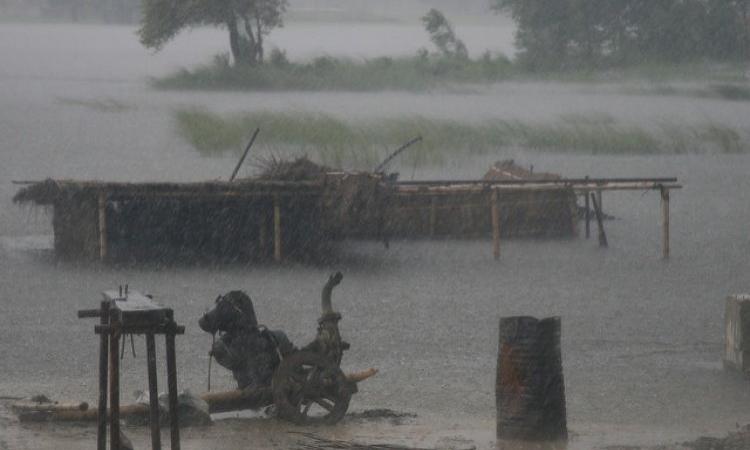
{"points": [[394, 417]]}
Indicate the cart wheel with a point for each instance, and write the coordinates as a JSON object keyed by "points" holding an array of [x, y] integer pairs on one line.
{"points": [[310, 389]]}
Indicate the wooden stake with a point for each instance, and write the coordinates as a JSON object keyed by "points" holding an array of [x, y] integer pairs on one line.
{"points": [[494, 207], [665, 223], [599, 200], [263, 235], [587, 214], [102, 203], [600, 222], [276, 228], [153, 392], [433, 215]]}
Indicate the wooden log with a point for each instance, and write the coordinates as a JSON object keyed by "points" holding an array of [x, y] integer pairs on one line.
{"points": [[495, 211], [27, 406], [529, 392], [218, 401], [599, 222], [276, 228], [102, 207], [665, 223]]}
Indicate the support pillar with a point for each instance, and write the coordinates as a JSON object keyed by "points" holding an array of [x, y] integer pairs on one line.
{"points": [[495, 210], [664, 223]]}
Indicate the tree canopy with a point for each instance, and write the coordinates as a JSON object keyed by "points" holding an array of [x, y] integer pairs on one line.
{"points": [[563, 34], [442, 34], [248, 22]]}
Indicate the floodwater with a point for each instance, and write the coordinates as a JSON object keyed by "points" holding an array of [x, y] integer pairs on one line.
{"points": [[642, 339]]}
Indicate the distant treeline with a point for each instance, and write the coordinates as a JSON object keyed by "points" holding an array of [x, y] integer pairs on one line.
{"points": [[114, 11], [570, 34]]}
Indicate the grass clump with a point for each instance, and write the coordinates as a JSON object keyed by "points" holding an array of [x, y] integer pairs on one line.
{"points": [[419, 72], [362, 144]]}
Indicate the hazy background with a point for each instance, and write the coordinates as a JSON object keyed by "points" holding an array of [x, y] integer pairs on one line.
{"points": [[642, 339]]}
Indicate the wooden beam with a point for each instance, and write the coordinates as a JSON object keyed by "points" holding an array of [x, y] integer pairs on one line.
{"points": [[495, 211], [665, 223], [101, 432], [102, 207], [277, 228]]}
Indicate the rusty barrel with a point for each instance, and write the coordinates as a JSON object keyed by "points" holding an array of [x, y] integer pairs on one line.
{"points": [[530, 392]]}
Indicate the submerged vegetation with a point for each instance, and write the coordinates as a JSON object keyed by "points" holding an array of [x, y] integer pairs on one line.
{"points": [[362, 144]]}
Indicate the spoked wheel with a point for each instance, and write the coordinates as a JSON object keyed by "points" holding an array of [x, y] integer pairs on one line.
{"points": [[310, 389]]}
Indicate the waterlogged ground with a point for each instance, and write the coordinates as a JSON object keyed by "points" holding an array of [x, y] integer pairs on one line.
{"points": [[642, 339]]}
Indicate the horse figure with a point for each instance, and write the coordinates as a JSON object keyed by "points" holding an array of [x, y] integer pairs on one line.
{"points": [[250, 351]]}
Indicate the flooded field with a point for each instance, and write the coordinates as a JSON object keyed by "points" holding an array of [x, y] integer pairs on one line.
{"points": [[642, 339]]}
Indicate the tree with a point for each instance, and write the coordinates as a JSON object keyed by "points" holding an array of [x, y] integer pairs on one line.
{"points": [[442, 35], [247, 21], [564, 34]]}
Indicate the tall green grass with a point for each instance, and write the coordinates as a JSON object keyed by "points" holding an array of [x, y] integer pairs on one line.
{"points": [[361, 144]]}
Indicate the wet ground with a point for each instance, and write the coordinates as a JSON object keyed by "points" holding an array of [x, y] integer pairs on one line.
{"points": [[642, 339]]}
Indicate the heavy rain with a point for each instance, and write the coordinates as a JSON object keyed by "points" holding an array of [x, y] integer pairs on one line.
{"points": [[94, 91]]}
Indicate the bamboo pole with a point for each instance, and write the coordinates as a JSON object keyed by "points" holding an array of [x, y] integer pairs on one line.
{"points": [[276, 228], [495, 210], [102, 207], [665, 223]]}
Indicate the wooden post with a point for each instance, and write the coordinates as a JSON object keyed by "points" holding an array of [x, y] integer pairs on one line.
{"points": [[276, 228], [600, 222], [433, 215], [153, 392], [664, 222], [587, 214], [102, 207], [263, 235], [530, 392], [495, 209], [101, 432], [174, 420], [599, 200], [114, 381]]}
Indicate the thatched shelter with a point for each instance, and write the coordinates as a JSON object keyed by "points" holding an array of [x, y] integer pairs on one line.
{"points": [[293, 210]]}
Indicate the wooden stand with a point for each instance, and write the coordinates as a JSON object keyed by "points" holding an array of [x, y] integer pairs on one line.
{"points": [[123, 313]]}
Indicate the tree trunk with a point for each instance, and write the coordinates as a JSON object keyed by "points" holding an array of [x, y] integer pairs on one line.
{"points": [[234, 40]]}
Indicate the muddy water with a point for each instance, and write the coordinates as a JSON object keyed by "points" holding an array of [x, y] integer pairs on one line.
{"points": [[641, 342]]}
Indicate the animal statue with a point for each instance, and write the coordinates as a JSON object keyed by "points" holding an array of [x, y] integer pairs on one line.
{"points": [[250, 351]]}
